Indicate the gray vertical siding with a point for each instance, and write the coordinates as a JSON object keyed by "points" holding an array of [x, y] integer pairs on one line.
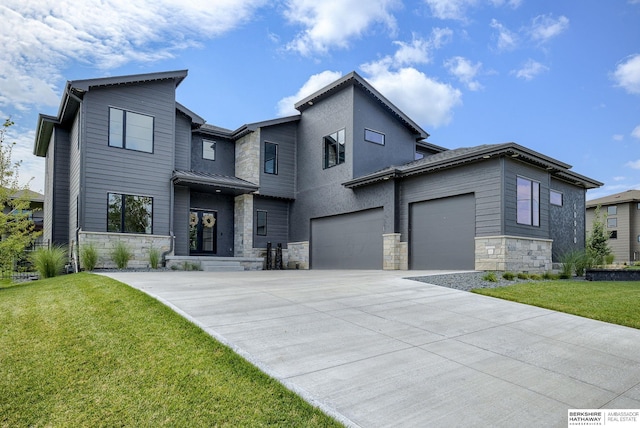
{"points": [[224, 206], [224, 164], [277, 221], [183, 142], [281, 184], [483, 179], [567, 221], [513, 169], [399, 147], [111, 169], [181, 204]]}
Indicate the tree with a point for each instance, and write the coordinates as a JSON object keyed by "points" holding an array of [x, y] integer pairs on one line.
{"points": [[598, 239], [16, 226]]}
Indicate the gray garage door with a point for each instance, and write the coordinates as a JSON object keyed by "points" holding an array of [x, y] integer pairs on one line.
{"points": [[442, 233], [348, 241]]}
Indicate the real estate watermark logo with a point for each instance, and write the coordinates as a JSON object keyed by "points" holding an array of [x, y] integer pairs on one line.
{"points": [[622, 418]]}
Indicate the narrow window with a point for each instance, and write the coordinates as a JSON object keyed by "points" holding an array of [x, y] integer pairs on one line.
{"points": [[208, 149], [555, 198], [374, 137], [270, 158], [130, 130], [334, 149], [613, 234], [528, 202], [612, 222], [261, 223], [612, 210], [129, 213]]}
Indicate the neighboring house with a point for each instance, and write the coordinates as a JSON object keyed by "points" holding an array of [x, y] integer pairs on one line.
{"points": [[35, 210], [621, 215], [350, 182]]}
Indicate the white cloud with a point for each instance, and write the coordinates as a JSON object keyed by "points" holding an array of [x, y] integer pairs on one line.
{"points": [[333, 23], [636, 132], [39, 38], [530, 70], [315, 82], [617, 137], [619, 178], [627, 74], [546, 27], [506, 39], [465, 71], [633, 164], [425, 100], [457, 9]]}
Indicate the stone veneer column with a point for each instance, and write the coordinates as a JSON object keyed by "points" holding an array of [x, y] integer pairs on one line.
{"points": [[243, 226], [395, 253], [248, 157], [298, 253], [513, 253]]}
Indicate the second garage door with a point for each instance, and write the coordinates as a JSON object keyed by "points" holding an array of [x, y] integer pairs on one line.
{"points": [[348, 241], [442, 233]]}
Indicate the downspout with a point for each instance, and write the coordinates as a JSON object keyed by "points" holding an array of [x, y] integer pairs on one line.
{"points": [[171, 237], [79, 199]]}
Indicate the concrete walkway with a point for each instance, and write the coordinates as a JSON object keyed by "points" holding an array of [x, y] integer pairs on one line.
{"points": [[376, 350]]}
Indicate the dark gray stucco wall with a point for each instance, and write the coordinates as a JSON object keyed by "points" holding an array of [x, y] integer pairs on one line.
{"points": [[567, 221], [224, 164], [111, 169], [281, 184], [320, 192], [223, 205], [399, 147]]}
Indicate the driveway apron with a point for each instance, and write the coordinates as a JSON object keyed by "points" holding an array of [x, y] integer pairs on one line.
{"points": [[374, 349]]}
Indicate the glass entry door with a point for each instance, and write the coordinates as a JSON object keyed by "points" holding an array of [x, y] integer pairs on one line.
{"points": [[203, 230]]}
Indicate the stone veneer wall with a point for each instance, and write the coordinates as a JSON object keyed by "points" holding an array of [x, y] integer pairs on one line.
{"points": [[395, 253], [297, 255], [513, 253], [243, 226], [139, 244], [248, 157]]}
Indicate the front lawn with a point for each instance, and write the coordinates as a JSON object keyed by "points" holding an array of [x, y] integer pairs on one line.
{"points": [[86, 350], [610, 301]]}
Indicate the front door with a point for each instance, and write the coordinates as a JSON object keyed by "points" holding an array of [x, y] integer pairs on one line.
{"points": [[202, 232]]}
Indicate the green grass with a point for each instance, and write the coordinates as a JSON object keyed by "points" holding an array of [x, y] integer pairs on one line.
{"points": [[86, 350], [610, 301]]}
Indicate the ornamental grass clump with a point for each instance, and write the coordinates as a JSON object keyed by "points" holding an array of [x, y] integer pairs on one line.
{"points": [[154, 258], [121, 254], [490, 276], [49, 262], [509, 276], [88, 256]]}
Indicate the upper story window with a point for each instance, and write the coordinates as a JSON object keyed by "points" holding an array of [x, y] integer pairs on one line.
{"points": [[270, 158], [374, 137], [208, 149], [613, 234], [334, 149], [555, 197], [130, 130], [612, 222], [528, 200], [612, 210], [129, 213]]}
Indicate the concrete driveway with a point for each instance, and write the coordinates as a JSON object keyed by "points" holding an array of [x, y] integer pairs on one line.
{"points": [[376, 350]]}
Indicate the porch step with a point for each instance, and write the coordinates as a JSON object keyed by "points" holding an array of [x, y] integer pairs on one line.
{"points": [[215, 264]]}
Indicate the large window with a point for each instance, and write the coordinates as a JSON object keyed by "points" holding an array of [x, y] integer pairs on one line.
{"points": [[528, 202], [261, 223], [129, 214], [334, 149], [270, 158], [130, 130], [208, 149]]}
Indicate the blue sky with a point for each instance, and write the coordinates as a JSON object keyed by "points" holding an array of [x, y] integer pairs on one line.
{"points": [[559, 77]]}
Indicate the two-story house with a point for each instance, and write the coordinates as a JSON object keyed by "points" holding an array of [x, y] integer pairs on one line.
{"points": [[350, 182], [621, 214]]}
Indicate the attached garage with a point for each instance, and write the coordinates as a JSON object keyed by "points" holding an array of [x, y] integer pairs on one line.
{"points": [[442, 233], [348, 241]]}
